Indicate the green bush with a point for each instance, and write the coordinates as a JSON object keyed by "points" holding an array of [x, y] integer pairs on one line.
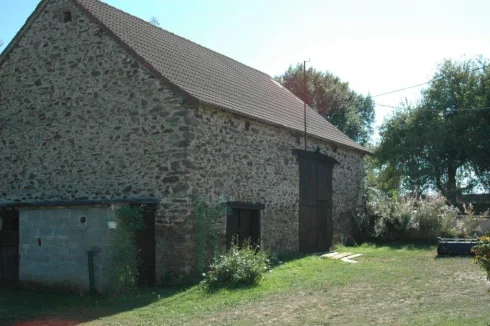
{"points": [[408, 217], [239, 266], [433, 217], [470, 224], [482, 253], [390, 216]]}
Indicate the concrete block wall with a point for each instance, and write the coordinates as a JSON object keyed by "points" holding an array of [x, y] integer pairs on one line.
{"points": [[53, 245]]}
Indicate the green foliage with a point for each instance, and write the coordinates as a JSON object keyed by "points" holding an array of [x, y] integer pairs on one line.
{"points": [[442, 142], [388, 179], [206, 239], [433, 217], [391, 216], [123, 260], [239, 266], [402, 217], [482, 253], [352, 113], [471, 223]]}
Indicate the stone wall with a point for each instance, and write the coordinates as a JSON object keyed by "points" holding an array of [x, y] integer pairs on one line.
{"points": [[246, 160], [80, 119], [53, 245]]}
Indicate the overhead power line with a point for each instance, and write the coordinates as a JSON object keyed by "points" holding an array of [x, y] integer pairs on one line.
{"points": [[402, 89], [418, 85], [434, 110]]}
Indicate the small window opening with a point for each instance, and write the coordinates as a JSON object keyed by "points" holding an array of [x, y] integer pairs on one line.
{"points": [[66, 16], [243, 225], [83, 219], [39, 242]]}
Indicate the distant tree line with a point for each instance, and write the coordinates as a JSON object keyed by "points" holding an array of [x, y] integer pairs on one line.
{"points": [[439, 143]]}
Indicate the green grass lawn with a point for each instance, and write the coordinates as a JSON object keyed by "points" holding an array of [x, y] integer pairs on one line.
{"points": [[391, 285]]}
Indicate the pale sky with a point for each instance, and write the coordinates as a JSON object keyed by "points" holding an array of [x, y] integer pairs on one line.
{"points": [[377, 46]]}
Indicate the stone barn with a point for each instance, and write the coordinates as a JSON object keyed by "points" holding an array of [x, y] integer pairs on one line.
{"points": [[99, 108]]}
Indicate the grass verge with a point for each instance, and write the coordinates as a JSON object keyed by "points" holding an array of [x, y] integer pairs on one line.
{"points": [[403, 284]]}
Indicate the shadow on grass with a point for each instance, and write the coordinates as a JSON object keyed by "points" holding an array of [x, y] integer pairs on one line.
{"points": [[449, 256], [281, 258], [35, 307], [38, 306], [405, 245], [235, 288]]}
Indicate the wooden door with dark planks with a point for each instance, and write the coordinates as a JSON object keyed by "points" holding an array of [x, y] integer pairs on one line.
{"points": [[315, 205]]}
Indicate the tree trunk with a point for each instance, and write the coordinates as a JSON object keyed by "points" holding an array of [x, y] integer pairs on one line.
{"points": [[451, 189]]}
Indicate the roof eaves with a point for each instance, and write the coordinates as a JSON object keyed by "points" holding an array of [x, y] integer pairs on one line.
{"points": [[168, 83]]}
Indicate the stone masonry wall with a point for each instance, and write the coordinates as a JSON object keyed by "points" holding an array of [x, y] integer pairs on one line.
{"points": [[81, 119], [53, 245], [250, 161]]}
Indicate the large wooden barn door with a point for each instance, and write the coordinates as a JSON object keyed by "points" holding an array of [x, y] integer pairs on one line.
{"points": [[315, 205], [9, 246]]}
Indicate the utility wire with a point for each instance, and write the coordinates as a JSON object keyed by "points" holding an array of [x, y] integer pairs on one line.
{"points": [[418, 85], [434, 110], [402, 89]]}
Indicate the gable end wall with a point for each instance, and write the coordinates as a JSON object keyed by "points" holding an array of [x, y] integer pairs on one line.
{"points": [[80, 119]]}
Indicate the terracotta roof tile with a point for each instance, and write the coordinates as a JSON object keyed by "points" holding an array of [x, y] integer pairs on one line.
{"points": [[213, 78]]}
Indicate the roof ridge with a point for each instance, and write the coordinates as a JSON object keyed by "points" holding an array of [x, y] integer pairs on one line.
{"points": [[183, 38]]}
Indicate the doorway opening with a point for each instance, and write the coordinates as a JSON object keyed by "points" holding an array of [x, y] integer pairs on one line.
{"points": [[145, 242], [315, 201], [243, 224], [9, 246]]}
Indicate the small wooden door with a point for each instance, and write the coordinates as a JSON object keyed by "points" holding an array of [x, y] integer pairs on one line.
{"points": [[145, 241], [315, 205], [9, 246], [243, 225]]}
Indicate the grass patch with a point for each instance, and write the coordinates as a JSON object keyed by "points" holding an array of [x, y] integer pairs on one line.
{"points": [[401, 284]]}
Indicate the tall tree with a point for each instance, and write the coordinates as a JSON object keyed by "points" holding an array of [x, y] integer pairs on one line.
{"points": [[352, 113], [443, 142]]}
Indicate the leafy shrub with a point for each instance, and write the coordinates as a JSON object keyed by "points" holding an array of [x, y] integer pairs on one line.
{"points": [[482, 253], [470, 226], [123, 254], [239, 266], [390, 216], [206, 235], [433, 217], [401, 217]]}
